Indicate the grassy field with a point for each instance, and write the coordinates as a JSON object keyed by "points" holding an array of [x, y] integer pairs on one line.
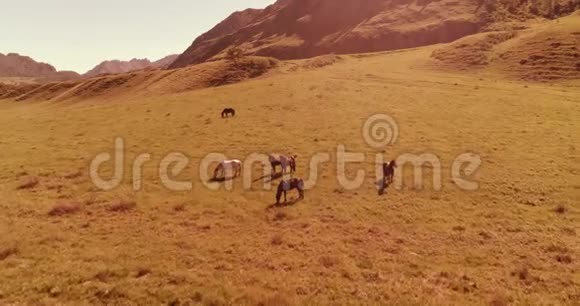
{"points": [[513, 241]]}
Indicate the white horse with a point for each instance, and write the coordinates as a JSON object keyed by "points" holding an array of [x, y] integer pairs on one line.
{"points": [[284, 161], [228, 169]]}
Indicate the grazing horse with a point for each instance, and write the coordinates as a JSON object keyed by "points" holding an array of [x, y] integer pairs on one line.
{"points": [[288, 185], [283, 161], [233, 167], [389, 171], [227, 112]]}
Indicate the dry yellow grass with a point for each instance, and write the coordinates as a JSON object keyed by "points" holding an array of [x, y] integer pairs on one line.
{"points": [[515, 240]]}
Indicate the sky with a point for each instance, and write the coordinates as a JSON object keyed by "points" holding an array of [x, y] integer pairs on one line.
{"points": [[79, 34]]}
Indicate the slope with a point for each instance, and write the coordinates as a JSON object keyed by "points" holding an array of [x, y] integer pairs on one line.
{"points": [[513, 240], [294, 29]]}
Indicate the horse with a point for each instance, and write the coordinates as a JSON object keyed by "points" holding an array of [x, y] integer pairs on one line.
{"points": [[389, 171], [288, 185], [283, 161], [233, 167], [227, 112]]}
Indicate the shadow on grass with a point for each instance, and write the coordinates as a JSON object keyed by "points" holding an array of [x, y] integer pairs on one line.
{"points": [[269, 178], [221, 179], [383, 185], [292, 202]]}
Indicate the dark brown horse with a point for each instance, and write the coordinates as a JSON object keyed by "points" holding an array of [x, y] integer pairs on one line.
{"points": [[288, 185], [389, 172], [227, 112]]}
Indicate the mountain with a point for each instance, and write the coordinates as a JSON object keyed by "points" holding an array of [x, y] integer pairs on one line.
{"points": [[164, 62], [14, 65], [117, 66], [206, 43], [293, 29]]}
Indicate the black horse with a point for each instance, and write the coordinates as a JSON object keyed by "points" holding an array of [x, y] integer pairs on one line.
{"points": [[289, 185], [389, 172], [227, 112], [388, 176]]}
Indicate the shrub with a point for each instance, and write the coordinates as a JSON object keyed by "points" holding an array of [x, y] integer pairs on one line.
{"points": [[7, 252], [564, 258], [179, 207], [122, 206], [235, 54], [28, 183], [328, 261], [277, 240], [560, 209], [64, 208]]}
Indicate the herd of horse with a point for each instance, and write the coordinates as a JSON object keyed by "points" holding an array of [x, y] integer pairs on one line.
{"points": [[234, 168]]}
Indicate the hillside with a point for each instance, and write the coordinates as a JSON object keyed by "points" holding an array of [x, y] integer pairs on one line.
{"points": [[539, 50], [14, 65], [545, 52], [293, 29], [117, 66], [164, 62], [511, 241], [142, 83]]}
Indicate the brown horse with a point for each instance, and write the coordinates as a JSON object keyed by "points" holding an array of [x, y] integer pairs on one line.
{"points": [[389, 172], [288, 185], [282, 161], [227, 112]]}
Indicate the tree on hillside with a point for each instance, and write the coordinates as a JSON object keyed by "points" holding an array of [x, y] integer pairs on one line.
{"points": [[235, 54]]}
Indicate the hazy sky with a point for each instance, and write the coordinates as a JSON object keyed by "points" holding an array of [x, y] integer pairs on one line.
{"points": [[79, 34]]}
